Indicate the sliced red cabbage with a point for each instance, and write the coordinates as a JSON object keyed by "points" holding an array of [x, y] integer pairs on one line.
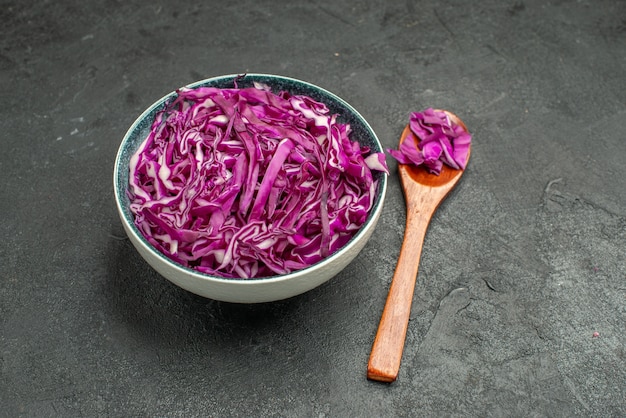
{"points": [[439, 141], [247, 183]]}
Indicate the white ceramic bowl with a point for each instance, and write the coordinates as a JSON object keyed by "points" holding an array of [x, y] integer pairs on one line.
{"points": [[259, 289]]}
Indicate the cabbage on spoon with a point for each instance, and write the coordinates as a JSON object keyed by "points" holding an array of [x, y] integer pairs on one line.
{"points": [[437, 141]]}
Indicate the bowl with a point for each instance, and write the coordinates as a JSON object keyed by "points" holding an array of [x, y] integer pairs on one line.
{"points": [[256, 290]]}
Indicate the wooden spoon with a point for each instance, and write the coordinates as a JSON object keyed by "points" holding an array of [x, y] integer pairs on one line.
{"points": [[423, 193]]}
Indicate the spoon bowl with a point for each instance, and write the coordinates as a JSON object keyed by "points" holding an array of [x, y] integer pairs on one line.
{"points": [[423, 192]]}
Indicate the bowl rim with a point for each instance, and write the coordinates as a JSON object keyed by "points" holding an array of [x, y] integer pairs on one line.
{"points": [[131, 228]]}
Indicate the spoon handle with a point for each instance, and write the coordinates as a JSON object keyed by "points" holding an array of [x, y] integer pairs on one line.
{"points": [[384, 361]]}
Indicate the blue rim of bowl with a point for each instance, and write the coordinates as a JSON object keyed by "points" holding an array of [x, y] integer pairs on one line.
{"points": [[140, 128]]}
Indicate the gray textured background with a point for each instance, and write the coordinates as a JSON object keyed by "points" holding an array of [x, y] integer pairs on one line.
{"points": [[521, 265]]}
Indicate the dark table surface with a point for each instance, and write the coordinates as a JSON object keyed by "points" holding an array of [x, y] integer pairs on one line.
{"points": [[522, 264]]}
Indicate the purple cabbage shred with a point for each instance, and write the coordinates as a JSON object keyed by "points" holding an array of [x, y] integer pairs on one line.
{"points": [[439, 141], [244, 183]]}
